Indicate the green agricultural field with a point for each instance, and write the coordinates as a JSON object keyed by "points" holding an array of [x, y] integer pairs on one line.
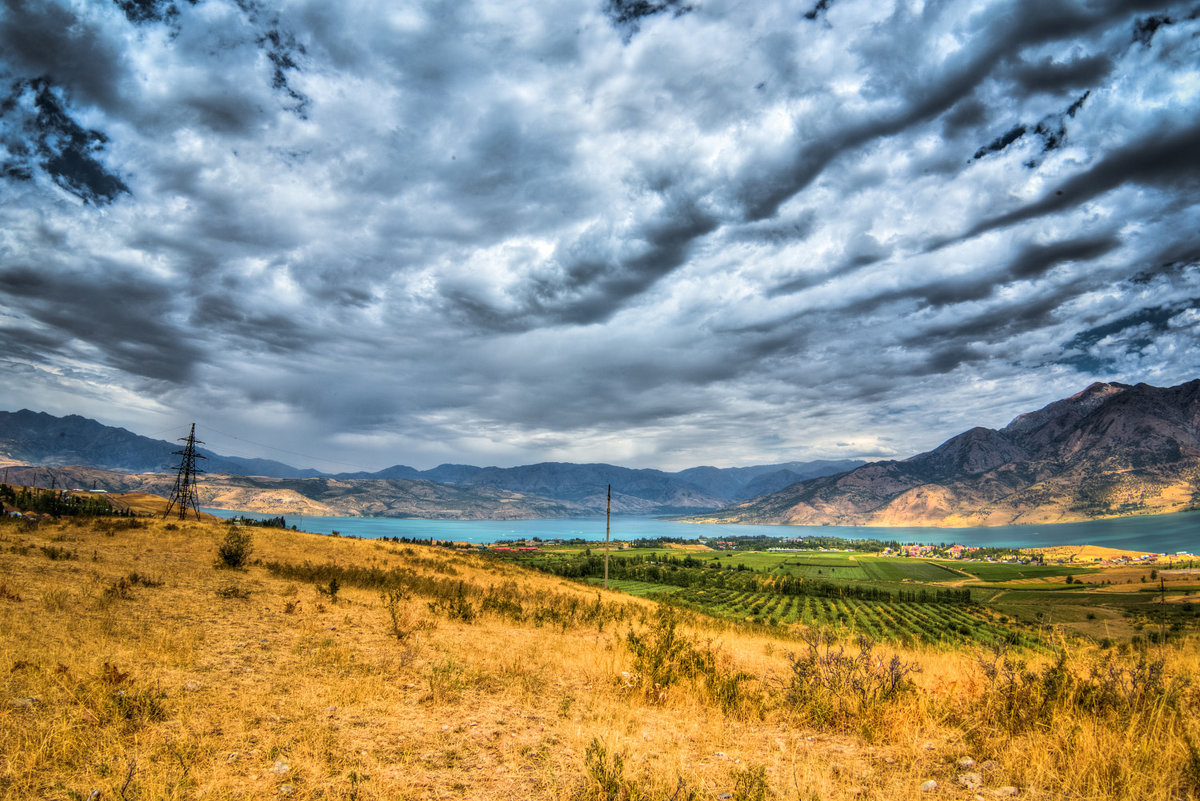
{"points": [[641, 589], [929, 623], [845, 571], [885, 568], [998, 571], [888, 598], [614, 550]]}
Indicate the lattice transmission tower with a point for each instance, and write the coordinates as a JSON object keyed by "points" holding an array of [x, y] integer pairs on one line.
{"points": [[183, 495]]}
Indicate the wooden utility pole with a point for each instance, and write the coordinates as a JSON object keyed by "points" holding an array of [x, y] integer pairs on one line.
{"points": [[607, 518]]}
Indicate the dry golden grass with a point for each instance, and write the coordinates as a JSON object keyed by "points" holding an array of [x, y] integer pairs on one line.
{"points": [[229, 684], [1084, 554]]}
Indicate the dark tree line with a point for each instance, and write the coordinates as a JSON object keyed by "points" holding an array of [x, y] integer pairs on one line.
{"points": [[57, 503], [268, 522]]}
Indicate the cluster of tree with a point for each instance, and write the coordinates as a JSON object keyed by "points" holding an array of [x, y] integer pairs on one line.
{"points": [[57, 503], [269, 522], [424, 541], [939, 596], [1005, 553], [763, 543]]}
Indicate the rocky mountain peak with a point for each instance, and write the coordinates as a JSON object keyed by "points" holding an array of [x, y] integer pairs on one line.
{"points": [[1052, 420], [1112, 449], [974, 451]]}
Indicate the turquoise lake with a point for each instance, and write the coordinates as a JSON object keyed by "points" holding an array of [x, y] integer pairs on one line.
{"points": [[1158, 533]]}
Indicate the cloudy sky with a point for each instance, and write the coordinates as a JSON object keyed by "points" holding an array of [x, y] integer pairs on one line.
{"points": [[657, 234]]}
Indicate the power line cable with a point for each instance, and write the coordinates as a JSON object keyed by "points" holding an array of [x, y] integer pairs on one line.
{"points": [[327, 460]]}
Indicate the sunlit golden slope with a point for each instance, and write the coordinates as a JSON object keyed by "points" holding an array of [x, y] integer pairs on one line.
{"points": [[131, 667]]}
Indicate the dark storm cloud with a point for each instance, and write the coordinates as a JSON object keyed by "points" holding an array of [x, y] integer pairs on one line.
{"points": [[44, 39], [1163, 159], [965, 116], [1037, 24], [642, 233], [626, 15], [1055, 77], [37, 132], [1131, 337], [1051, 131], [1029, 262], [1001, 142], [592, 291], [119, 314], [141, 11], [1150, 321], [1145, 28], [261, 327], [1033, 261], [860, 252]]}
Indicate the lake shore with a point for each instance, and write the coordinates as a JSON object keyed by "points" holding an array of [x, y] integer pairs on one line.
{"points": [[1162, 534]]}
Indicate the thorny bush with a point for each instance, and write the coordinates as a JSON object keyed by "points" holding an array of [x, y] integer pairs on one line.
{"points": [[664, 656], [1017, 697], [833, 686]]}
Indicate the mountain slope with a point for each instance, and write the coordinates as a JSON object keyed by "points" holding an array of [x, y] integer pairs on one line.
{"points": [[1110, 450], [634, 490], [316, 496], [40, 438]]}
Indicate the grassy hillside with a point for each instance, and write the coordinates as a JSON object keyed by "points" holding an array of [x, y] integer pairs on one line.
{"points": [[132, 667]]}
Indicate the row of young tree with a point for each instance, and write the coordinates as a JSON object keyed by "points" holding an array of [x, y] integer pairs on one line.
{"points": [[694, 573]]}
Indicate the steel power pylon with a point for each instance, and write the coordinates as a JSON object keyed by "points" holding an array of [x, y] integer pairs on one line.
{"points": [[184, 493]]}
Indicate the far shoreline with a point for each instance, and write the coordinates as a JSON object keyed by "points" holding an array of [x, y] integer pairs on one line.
{"points": [[1162, 534]]}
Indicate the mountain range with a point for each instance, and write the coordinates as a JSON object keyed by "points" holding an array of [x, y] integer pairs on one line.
{"points": [[38, 438], [1113, 449], [119, 460]]}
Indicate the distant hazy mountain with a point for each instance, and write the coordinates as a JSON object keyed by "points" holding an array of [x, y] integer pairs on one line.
{"points": [[743, 483], [634, 491], [1113, 449], [315, 496], [40, 438], [549, 489]]}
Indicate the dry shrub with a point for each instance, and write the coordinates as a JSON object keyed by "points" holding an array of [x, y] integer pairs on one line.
{"points": [[834, 688], [1098, 725], [234, 551], [664, 656], [605, 779]]}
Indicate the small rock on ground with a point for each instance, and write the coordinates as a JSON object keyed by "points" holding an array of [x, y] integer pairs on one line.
{"points": [[280, 768], [929, 786], [966, 763], [972, 781]]}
